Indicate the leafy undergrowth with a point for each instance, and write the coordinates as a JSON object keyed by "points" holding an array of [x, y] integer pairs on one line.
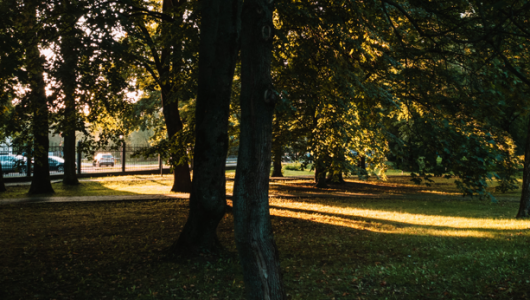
{"points": [[341, 248]]}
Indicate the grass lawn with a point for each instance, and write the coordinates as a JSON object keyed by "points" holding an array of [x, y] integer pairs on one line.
{"points": [[391, 240], [103, 186]]}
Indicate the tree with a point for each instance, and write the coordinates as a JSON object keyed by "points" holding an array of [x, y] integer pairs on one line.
{"points": [[220, 31], [253, 230], [68, 73], [163, 45], [10, 55], [490, 40], [37, 101]]}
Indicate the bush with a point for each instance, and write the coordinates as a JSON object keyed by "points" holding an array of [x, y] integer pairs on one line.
{"points": [[296, 167]]}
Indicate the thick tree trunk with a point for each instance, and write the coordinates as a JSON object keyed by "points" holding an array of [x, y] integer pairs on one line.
{"points": [[39, 106], [335, 173], [524, 206], [181, 179], [277, 161], [69, 83], [220, 28], [253, 230], [320, 177], [170, 109], [335, 177], [2, 185], [340, 179]]}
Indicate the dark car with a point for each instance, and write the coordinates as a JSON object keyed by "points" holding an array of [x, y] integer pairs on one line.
{"points": [[13, 163], [56, 163]]}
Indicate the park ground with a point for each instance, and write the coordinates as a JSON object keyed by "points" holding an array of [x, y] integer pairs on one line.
{"points": [[360, 240]]}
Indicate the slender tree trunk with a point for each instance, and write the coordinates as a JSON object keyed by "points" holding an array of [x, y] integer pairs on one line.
{"points": [[69, 83], [70, 172], [170, 108], [2, 185], [362, 163], [218, 50], [277, 161], [253, 230], [524, 206], [41, 182], [181, 172], [277, 149], [39, 106]]}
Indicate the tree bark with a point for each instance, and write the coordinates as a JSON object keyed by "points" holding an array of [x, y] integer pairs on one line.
{"points": [[362, 163], [181, 172], [170, 109], [335, 173], [40, 183], [257, 249], [320, 177], [335, 177], [277, 161], [220, 29], [69, 82], [524, 205]]}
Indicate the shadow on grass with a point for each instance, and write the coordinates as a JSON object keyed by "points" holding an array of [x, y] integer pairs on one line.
{"points": [[328, 261], [100, 187], [116, 250], [369, 223], [432, 205]]}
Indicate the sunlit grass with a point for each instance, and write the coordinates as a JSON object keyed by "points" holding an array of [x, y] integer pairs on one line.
{"points": [[412, 245], [104, 186], [346, 210]]}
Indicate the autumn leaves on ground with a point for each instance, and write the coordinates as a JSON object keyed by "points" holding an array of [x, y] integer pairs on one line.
{"points": [[367, 240]]}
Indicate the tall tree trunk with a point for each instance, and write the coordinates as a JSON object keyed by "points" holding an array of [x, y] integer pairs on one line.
{"points": [[220, 29], [39, 106], [524, 206], [69, 83], [277, 161], [170, 108], [253, 230], [2, 185]]}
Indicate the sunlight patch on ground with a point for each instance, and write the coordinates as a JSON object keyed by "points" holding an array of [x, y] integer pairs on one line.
{"points": [[397, 222]]}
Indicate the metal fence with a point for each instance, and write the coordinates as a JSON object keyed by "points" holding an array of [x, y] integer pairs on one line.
{"points": [[14, 160]]}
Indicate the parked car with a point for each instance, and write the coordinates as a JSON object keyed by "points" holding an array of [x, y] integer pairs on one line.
{"points": [[13, 163], [102, 159], [56, 163]]}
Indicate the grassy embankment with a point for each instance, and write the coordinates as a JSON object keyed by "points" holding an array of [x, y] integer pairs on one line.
{"points": [[390, 240]]}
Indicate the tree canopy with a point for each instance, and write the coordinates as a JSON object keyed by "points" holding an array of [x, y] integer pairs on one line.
{"points": [[436, 88]]}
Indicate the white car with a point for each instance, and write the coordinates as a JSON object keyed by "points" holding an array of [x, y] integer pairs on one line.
{"points": [[102, 159]]}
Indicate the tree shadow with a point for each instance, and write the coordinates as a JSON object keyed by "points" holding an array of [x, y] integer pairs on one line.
{"points": [[88, 191], [367, 223]]}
